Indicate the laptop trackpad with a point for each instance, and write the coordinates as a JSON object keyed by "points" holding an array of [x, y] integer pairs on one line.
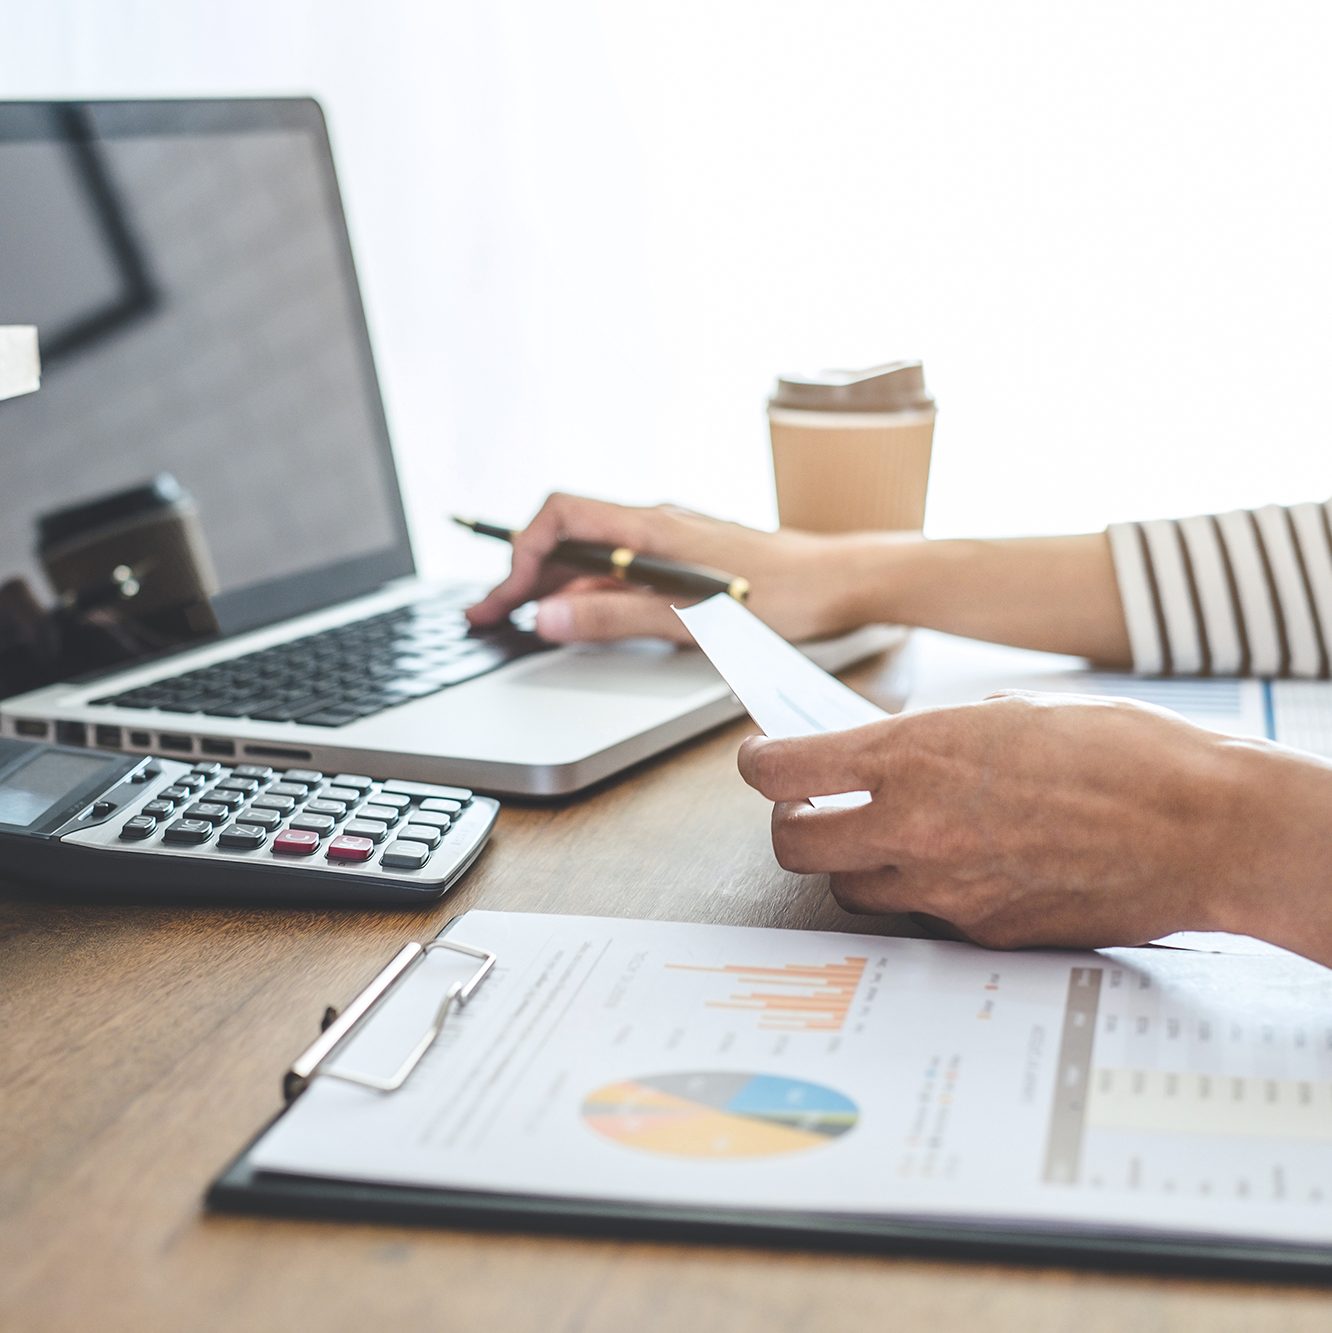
{"points": [[637, 666]]}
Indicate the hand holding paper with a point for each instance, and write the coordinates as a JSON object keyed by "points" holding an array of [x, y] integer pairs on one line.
{"points": [[1029, 819]]}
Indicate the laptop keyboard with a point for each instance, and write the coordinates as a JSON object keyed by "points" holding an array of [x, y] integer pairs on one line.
{"points": [[343, 674]]}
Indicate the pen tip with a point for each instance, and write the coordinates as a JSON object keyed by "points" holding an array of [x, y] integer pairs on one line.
{"points": [[469, 523]]}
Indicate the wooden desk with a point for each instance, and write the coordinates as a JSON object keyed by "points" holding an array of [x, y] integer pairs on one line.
{"points": [[140, 1047]]}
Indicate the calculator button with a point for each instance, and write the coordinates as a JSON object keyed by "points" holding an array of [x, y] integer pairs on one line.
{"points": [[350, 849], [335, 793], [358, 781], [159, 809], [307, 777], [431, 820], [207, 769], [296, 790], [141, 826], [438, 807], [175, 794], [429, 789], [209, 810], [191, 782], [252, 771], [231, 799], [425, 833], [244, 837], [385, 814], [101, 809], [152, 770], [320, 824], [405, 856], [283, 803], [268, 819], [295, 842], [392, 801], [245, 785], [321, 807], [188, 830], [367, 828]]}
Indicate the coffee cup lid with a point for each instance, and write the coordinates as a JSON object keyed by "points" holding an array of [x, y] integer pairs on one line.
{"points": [[896, 386]]}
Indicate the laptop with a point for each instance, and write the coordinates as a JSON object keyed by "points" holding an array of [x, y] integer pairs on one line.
{"points": [[205, 352]]}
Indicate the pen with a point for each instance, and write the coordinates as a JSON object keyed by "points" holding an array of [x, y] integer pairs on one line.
{"points": [[622, 562]]}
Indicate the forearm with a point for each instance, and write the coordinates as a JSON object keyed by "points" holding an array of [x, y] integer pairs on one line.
{"points": [[1057, 594]]}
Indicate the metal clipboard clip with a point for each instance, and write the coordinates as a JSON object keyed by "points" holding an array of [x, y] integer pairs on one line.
{"points": [[338, 1027]]}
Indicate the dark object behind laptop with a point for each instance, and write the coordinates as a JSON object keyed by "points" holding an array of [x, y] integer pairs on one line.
{"points": [[138, 554], [132, 577]]}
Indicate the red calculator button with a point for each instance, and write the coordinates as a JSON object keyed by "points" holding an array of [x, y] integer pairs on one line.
{"points": [[295, 842], [350, 849]]}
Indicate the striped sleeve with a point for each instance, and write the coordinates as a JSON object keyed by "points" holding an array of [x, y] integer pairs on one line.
{"points": [[1244, 593]]}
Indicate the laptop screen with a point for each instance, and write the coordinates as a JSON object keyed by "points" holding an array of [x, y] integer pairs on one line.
{"points": [[187, 267]]}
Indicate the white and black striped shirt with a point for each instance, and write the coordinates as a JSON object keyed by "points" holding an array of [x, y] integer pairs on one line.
{"points": [[1244, 593]]}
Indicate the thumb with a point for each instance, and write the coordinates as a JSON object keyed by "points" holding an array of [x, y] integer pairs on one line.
{"points": [[598, 616]]}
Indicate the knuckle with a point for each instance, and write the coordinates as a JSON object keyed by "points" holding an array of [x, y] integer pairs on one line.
{"points": [[851, 893], [786, 845]]}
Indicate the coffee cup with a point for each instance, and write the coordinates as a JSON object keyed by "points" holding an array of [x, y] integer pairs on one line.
{"points": [[851, 448]]}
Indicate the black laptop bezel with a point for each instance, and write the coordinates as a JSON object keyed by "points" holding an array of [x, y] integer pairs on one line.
{"points": [[272, 601]]}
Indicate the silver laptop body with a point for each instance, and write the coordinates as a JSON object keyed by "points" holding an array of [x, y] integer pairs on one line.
{"points": [[191, 278]]}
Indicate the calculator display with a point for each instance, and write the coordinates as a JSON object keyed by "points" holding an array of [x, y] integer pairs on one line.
{"points": [[27, 794]]}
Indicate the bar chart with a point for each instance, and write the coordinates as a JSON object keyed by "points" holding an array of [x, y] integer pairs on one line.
{"points": [[791, 998]]}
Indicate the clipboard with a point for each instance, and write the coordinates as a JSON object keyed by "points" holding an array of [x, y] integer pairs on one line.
{"points": [[243, 1187]]}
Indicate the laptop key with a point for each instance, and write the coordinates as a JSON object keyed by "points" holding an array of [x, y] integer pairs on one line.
{"points": [[332, 718]]}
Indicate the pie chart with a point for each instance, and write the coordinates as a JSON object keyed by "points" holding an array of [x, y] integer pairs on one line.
{"points": [[719, 1114]]}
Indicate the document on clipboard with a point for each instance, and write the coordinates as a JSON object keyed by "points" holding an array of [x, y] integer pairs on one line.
{"points": [[720, 1080]]}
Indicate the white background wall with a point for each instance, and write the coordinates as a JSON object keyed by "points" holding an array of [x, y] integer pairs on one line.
{"points": [[590, 232]]}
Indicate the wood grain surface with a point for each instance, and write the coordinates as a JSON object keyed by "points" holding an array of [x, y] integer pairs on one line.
{"points": [[142, 1046]]}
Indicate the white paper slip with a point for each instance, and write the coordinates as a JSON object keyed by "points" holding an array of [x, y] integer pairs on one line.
{"points": [[20, 368], [781, 689]]}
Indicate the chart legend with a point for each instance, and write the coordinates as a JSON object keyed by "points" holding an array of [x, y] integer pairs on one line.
{"points": [[791, 998]]}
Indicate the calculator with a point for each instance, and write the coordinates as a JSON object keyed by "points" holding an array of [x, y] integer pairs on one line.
{"points": [[96, 822]]}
